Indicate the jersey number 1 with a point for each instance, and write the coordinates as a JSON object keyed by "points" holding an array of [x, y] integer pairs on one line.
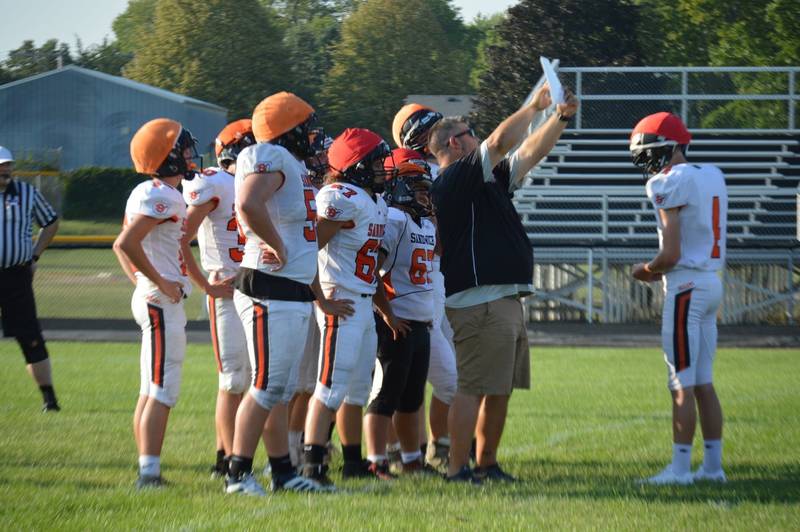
{"points": [[715, 226]]}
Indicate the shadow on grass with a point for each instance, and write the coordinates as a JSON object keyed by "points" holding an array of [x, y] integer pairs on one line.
{"points": [[764, 484]]}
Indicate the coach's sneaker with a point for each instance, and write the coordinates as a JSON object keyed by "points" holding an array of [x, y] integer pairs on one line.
{"points": [[464, 474], [319, 474], [701, 475], [437, 455], [149, 482], [295, 482], [247, 485], [493, 473], [668, 476]]}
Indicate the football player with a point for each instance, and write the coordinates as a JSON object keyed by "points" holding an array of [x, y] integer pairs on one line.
{"points": [[276, 212], [410, 129], [691, 206], [406, 253], [155, 257], [350, 225], [211, 215]]}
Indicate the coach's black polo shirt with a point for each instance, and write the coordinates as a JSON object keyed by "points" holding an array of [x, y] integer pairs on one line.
{"points": [[483, 241]]}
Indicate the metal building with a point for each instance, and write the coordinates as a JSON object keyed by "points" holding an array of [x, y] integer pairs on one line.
{"points": [[90, 117]]}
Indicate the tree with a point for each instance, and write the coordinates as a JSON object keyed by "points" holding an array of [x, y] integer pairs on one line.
{"points": [[228, 53], [483, 33], [28, 60], [104, 57], [563, 29], [727, 33], [388, 49], [135, 22]]}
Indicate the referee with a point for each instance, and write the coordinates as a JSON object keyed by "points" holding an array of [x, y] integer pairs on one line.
{"points": [[22, 203]]}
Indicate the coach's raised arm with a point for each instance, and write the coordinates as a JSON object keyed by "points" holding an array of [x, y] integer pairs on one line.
{"points": [[487, 262]]}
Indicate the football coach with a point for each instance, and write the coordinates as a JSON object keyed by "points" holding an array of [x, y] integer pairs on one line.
{"points": [[487, 262], [22, 204]]}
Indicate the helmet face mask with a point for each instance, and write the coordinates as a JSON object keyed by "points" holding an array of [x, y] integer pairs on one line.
{"points": [[365, 174], [655, 140], [229, 153], [415, 130], [177, 163], [297, 140], [317, 164], [401, 191]]}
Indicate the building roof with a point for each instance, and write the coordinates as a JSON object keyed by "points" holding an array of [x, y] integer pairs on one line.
{"points": [[134, 85], [447, 104]]}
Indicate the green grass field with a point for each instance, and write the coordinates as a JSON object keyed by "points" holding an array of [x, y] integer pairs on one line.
{"points": [[90, 227], [596, 420]]}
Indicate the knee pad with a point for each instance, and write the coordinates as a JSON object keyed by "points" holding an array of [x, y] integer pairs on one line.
{"points": [[234, 382], [33, 348]]}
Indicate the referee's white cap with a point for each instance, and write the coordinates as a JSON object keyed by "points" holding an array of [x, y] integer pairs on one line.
{"points": [[5, 155]]}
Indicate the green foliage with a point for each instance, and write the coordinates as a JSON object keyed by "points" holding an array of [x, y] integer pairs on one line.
{"points": [[105, 57], [483, 34], [95, 192], [133, 24], [563, 29], [228, 53], [28, 60], [389, 49]]}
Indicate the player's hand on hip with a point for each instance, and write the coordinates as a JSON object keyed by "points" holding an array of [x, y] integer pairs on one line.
{"points": [[220, 289], [274, 257], [336, 307], [400, 328], [173, 290], [639, 272]]}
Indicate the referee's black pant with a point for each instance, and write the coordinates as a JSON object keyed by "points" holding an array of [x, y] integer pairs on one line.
{"points": [[18, 311]]}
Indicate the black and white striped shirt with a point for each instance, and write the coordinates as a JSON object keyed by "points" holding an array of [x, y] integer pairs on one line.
{"points": [[21, 203]]}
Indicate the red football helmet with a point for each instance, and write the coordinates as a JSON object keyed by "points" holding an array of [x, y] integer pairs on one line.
{"points": [[654, 140]]}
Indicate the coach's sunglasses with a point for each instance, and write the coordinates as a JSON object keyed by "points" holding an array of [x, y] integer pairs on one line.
{"points": [[468, 131]]}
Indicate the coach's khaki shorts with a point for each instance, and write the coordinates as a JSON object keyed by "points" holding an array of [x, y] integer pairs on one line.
{"points": [[491, 347]]}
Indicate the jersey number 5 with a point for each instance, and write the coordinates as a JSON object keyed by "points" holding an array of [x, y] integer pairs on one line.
{"points": [[367, 260], [236, 254], [310, 227], [715, 226]]}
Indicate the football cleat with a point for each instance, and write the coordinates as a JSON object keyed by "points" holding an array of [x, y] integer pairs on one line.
{"points": [[380, 470], [493, 473], [319, 474], [715, 476], [418, 467], [295, 482], [246, 485], [356, 469], [51, 407], [464, 474], [667, 476], [149, 482]]}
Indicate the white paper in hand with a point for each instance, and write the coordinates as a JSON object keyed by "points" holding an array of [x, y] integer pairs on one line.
{"points": [[556, 90]]}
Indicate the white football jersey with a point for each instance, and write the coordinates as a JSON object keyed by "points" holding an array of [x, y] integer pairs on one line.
{"points": [[221, 245], [408, 265], [162, 245], [292, 210], [349, 261], [699, 189]]}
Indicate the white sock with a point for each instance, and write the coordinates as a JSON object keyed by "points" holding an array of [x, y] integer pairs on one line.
{"points": [[149, 465], [410, 457], [376, 458], [712, 455], [681, 458]]}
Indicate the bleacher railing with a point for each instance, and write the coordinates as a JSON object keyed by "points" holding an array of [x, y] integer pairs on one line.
{"points": [[585, 210]]}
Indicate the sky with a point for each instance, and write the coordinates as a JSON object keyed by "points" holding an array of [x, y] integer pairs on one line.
{"points": [[90, 20]]}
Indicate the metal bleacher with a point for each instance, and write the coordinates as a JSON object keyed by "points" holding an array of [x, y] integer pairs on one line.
{"points": [[585, 210]]}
